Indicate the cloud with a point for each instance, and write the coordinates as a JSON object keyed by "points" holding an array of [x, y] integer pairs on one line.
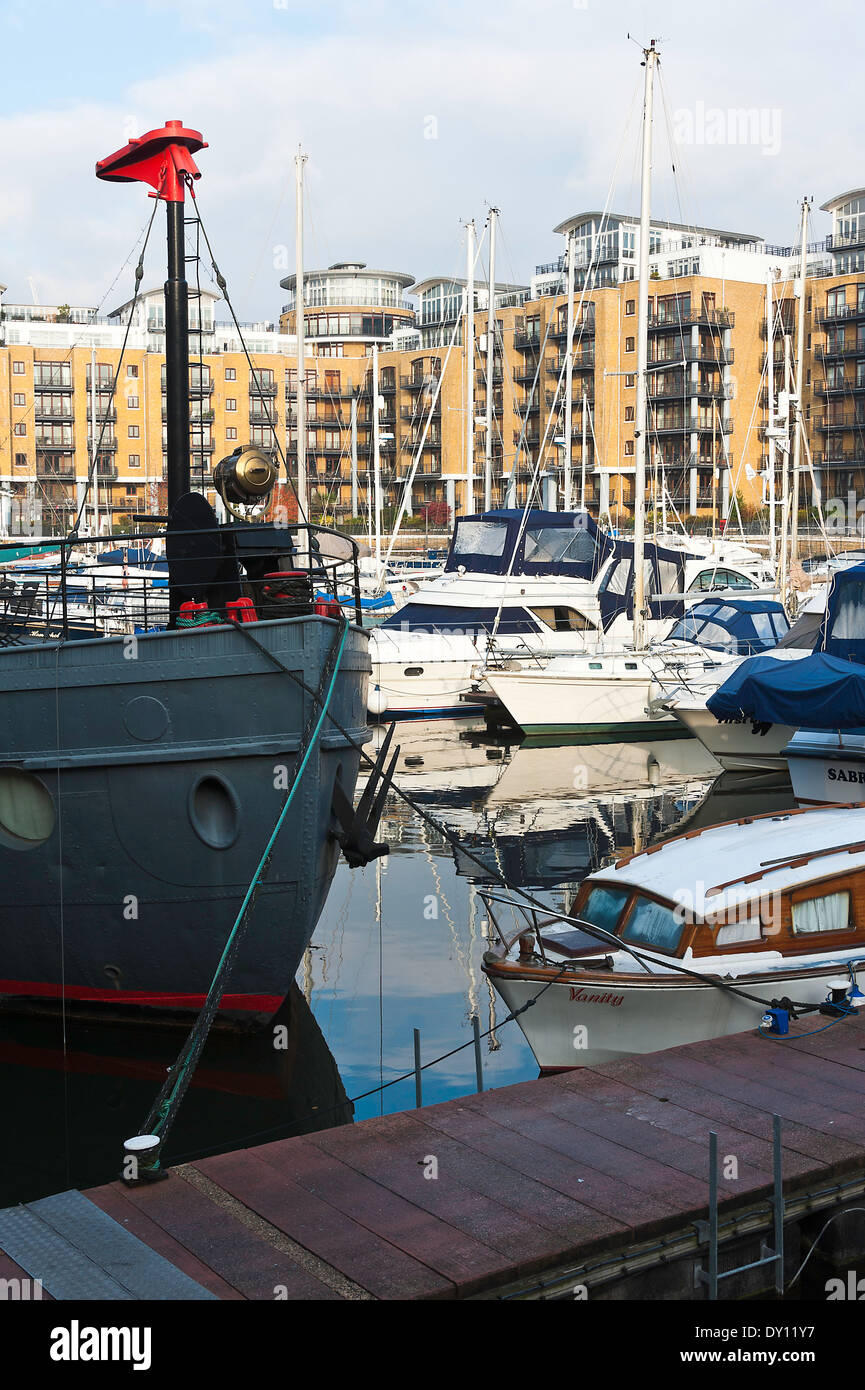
{"points": [[411, 127]]}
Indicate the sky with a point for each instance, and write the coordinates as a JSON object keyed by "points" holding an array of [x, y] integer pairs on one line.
{"points": [[415, 117]]}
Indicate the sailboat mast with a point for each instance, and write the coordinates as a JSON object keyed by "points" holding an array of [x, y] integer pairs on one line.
{"points": [[376, 454], [800, 363], [491, 362], [300, 331], [470, 359], [569, 386], [770, 412], [650, 61]]}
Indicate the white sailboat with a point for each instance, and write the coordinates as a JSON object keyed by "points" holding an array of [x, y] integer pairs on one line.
{"points": [[608, 690]]}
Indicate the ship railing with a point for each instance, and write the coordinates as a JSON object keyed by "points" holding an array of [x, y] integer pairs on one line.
{"points": [[531, 919], [70, 595]]}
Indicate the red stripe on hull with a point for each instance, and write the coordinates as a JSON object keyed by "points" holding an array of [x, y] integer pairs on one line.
{"points": [[38, 989]]}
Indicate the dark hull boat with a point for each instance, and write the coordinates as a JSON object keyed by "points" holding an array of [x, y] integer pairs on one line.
{"points": [[159, 781], [142, 779]]}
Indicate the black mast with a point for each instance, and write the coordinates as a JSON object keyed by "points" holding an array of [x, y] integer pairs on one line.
{"points": [[176, 358]]}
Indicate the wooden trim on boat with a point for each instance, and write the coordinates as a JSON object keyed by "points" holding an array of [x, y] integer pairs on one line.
{"points": [[742, 820]]}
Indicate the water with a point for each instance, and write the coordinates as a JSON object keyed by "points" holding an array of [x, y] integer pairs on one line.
{"points": [[399, 947]]}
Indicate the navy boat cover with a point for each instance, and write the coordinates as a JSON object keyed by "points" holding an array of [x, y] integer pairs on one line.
{"points": [[818, 692]]}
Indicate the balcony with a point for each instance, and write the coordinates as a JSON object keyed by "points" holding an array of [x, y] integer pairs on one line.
{"points": [[705, 316], [842, 313], [844, 350], [65, 446], [257, 416], [103, 383], [846, 243], [109, 416], [257, 389], [526, 376], [576, 399], [50, 416], [47, 469], [838, 422], [685, 389], [50, 383], [685, 425], [713, 352], [586, 329], [582, 361], [103, 446], [843, 388], [854, 458], [419, 383]]}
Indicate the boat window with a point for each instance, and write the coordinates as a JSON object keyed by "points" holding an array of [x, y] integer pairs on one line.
{"points": [[563, 619], [603, 907], [455, 621], [26, 809], [828, 913], [548, 545], [847, 618], [731, 933], [652, 924], [707, 580], [480, 538], [630, 665], [618, 579], [413, 671], [669, 576]]}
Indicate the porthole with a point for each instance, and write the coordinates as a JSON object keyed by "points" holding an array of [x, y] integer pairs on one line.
{"points": [[413, 671], [27, 814], [214, 811]]}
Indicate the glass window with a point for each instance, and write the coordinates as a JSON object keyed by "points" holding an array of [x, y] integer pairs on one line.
{"points": [[829, 913], [549, 545], [653, 924], [618, 579], [480, 538], [603, 907]]}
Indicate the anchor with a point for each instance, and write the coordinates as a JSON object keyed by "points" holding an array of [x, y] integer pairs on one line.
{"points": [[358, 827]]}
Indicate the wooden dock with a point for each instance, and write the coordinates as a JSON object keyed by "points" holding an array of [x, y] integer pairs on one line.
{"points": [[592, 1177]]}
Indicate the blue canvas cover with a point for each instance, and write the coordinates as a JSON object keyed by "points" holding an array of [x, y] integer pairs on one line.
{"points": [[818, 692], [741, 625], [550, 543]]}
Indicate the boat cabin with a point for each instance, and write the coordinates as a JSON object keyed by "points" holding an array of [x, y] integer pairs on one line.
{"points": [[789, 884]]}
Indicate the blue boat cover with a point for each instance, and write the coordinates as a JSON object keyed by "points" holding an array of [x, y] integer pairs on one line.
{"points": [[818, 692], [741, 625]]}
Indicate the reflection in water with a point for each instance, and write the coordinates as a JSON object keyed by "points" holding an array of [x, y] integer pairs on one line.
{"points": [[398, 947], [73, 1112]]}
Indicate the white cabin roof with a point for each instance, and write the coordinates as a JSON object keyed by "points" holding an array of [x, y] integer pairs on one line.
{"points": [[747, 860]]}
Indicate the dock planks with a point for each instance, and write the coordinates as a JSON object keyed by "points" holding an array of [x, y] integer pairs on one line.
{"points": [[531, 1177]]}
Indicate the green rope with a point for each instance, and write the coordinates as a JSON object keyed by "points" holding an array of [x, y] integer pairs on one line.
{"points": [[178, 1079]]}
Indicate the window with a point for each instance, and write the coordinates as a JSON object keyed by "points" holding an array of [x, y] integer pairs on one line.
{"points": [[603, 907], [829, 913], [134, 460], [629, 307], [131, 369], [630, 378], [20, 460], [231, 403], [19, 398], [20, 428], [629, 412], [133, 431], [629, 345], [564, 619], [231, 374], [231, 432], [18, 368], [132, 402], [629, 448], [653, 924]]}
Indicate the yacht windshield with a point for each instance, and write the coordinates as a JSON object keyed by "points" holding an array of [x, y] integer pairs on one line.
{"points": [[480, 538]]}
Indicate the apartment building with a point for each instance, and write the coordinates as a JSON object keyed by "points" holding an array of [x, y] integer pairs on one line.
{"points": [[709, 298]]}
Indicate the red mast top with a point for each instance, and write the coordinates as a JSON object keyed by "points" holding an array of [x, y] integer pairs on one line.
{"points": [[160, 158]]}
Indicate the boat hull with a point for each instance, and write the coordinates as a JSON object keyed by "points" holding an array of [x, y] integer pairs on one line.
{"points": [[827, 768], [595, 1017], [166, 771], [741, 745]]}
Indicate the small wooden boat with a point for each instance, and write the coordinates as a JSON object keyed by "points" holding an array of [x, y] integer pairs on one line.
{"points": [[740, 926]]}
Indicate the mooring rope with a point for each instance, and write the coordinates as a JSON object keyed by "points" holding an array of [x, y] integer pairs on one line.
{"points": [[164, 1109]]}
